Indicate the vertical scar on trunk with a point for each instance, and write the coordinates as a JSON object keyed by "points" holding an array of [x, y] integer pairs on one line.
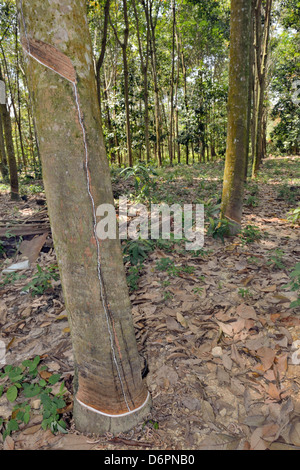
{"points": [[53, 59]]}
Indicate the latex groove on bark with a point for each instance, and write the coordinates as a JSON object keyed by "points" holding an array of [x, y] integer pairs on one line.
{"points": [[50, 57]]}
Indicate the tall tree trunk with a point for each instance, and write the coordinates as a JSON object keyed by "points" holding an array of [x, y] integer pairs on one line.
{"points": [[109, 393], [10, 150], [151, 22], [102, 51], [173, 8], [16, 114], [251, 82], [144, 58], [177, 145], [234, 172], [123, 44], [3, 158], [262, 43]]}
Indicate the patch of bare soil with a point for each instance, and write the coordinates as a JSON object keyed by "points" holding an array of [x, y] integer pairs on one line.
{"points": [[219, 339]]}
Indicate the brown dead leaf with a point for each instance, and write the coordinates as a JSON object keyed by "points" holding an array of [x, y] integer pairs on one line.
{"points": [[235, 356], [271, 288], [270, 431], [31, 249], [32, 429], [282, 364], [246, 311], [248, 279], [239, 325], [226, 328], [256, 441], [267, 356], [44, 374], [172, 324], [3, 312], [9, 444], [294, 433], [227, 362], [274, 317], [273, 392], [180, 318]]}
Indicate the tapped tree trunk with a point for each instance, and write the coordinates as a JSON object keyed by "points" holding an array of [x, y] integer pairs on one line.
{"points": [[109, 393], [237, 131]]}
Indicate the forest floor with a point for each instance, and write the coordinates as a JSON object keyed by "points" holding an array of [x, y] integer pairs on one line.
{"points": [[216, 326]]}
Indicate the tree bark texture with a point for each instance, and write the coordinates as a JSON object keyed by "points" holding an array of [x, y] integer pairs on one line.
{"points": [[109, 392], [237, 130]]}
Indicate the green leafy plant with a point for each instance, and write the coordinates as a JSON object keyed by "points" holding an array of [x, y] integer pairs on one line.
{"points": [[294, 215], [218, 228], [142, 178], [288, 193], [137, 251], [10, 278], [42, 280], [250, 234], [168, 265], [244, 292], [26, 381], [211, 208], [275, 260], [165, 264], [294, 285], [251, 201], [198, 290], [133, 276], [167, 295]]}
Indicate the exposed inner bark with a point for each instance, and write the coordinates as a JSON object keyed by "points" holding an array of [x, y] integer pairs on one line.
{"points": [[77, 180]]}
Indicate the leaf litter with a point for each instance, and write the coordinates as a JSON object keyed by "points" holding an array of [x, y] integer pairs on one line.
{"points": [[220, 346]]}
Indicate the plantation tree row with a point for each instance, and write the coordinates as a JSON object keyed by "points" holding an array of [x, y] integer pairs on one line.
{"points": [[162, 74]]}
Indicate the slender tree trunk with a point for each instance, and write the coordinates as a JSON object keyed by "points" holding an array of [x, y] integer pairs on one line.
{"points": [[151, 22], [102, 51], [176, 98], [261, 69], [234, 173], [10, 150], [109, 393], [3, 158], [144, 58], [31, 112], [16, 114], [251, 82], [123, 46], [173, 8]]}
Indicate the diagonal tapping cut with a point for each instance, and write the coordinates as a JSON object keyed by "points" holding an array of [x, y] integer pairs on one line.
{"points": [[53, 59]]}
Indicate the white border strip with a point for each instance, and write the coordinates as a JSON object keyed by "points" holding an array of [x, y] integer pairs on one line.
{"points": [[114, 416]]}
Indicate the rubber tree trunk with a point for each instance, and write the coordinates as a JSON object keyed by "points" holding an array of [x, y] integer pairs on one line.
{"points": [[109, 393], [144, 58], [3, 158], [10, 150], [237, 129], [152, 24], [262, 47]]}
